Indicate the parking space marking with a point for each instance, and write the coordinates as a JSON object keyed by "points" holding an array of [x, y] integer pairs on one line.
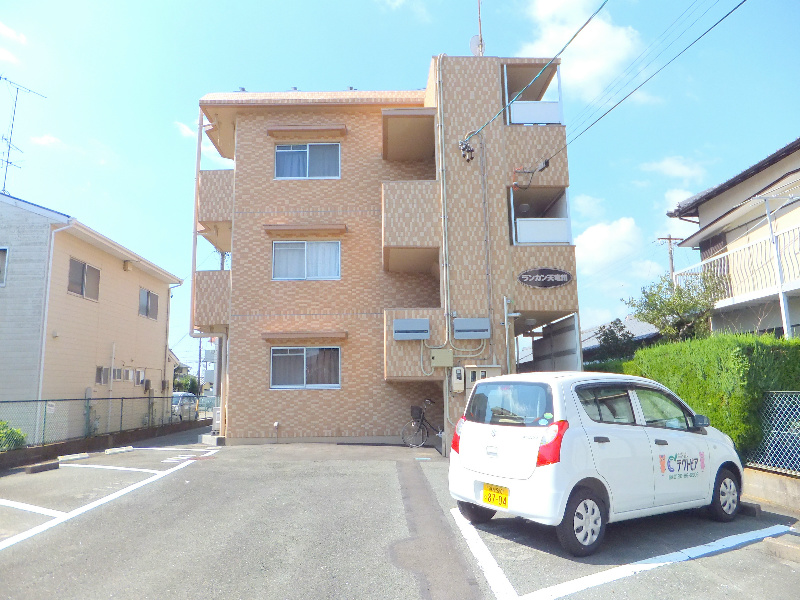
{"points": [[503, 589], [92, 505], [31, 508], [111, 468]]}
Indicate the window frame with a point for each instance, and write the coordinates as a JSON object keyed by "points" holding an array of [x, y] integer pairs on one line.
{"points": [[4, 252], [305, 386], [85, 270], [291, 148], [687, 412], [148, 305], [305, 276], [594, 388], [101, 375], [138, 377]]}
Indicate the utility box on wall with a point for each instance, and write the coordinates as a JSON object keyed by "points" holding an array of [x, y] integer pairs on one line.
{"points": [[471, 329], [411, 329], [475, 373], [441, 357]]}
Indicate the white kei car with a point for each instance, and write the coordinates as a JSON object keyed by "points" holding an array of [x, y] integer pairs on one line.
{"points": [[579, 450]]}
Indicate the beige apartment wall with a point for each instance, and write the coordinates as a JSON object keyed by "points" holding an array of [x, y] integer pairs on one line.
{"points": [[89, 331], [216, 195], [26, 234]]}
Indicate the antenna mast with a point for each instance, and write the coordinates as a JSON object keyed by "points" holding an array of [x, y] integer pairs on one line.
{"points": [[6, 160], [480, 31]]}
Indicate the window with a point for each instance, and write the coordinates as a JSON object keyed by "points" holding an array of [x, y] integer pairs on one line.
{"points": [[305, 368], [117, 375], [148, 304], [84, 279], [127, 374], [101, 375], [3, 265], [607, 404], [307, 161], [306, 260], [662, 411], [138, 377], [517, 404]]}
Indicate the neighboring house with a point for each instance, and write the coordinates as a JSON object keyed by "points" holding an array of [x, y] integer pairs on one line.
{"points": [[644, 334], [749, 235], [179, 369], [372, 265], [80, 316]]}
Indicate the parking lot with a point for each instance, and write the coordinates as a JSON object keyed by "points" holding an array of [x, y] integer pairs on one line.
{"points": [[176, 519]]}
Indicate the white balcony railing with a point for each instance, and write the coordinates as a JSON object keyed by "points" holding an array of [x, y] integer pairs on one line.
{"points": [[542, 231], [750, 272], [535, 113]]}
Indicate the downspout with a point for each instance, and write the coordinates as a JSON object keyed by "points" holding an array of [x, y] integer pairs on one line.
{"points": [[38, 433], [787, 323]]}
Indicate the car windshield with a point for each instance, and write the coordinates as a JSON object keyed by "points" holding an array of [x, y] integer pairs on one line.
{"points": [[176, 399], [518, 403]]}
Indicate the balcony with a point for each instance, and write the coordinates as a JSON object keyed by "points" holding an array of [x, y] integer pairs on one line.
{"points": [[539, 215], [212, 298], [750, 272], [411, 216], [535, 113], [215, 209]]}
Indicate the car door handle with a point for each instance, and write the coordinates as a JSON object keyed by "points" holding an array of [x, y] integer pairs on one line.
{"points": [[601, 439], [662, 443]]}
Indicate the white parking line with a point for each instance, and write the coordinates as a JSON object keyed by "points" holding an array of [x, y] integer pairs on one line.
{"points": [[31, 508], [83, 509], [111, 468], [503, 589]]}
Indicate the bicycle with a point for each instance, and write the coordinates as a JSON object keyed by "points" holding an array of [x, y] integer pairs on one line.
{"points": [[415, 432]]}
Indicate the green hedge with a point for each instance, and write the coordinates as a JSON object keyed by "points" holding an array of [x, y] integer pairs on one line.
{"points": [[724, 377], [614, 365]]}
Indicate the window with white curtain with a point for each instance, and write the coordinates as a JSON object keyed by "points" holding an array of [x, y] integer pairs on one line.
{"points": [[306, 260], [304, 368], [307, 161]]}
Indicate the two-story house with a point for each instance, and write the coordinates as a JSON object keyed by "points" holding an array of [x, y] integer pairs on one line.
{"points": [[749, 237], [375, 261], [80, 317]]}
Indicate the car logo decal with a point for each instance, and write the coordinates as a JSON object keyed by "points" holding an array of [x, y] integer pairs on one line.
{"points": [[494, 432]]}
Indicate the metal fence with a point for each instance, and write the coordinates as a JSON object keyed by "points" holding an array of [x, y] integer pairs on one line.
{"points": [[780, 421], [49, 421]]}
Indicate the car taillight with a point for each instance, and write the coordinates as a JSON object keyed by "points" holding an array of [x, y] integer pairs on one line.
{"points": [[550, 445], [457, 435]]}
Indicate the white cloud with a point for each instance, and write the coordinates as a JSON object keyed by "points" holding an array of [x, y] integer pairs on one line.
{"points": [[599, 53], [46, 140], [7, 32], [676, 167], [587, 209], [416, 6], [604, 245], [669, 226], [6, 56], [185, 130]]}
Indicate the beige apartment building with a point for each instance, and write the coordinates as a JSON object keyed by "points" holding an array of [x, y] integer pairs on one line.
{"points": [[81, 317], [749, 236], [375, 261]]}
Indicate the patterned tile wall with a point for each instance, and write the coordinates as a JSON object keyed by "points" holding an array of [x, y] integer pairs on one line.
{"points": [[216, 196]]}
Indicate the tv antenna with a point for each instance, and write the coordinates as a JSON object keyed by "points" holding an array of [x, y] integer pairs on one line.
{"points": [[476, 45], [6, 139]]}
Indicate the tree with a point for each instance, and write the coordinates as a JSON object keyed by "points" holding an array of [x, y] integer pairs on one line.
{"points": [[681, 311], [615, 341], [186, 383]]}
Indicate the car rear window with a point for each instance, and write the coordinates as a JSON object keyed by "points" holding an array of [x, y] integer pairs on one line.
{"points": [[518, 404]]}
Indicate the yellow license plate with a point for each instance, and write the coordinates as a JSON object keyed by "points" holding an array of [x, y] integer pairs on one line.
{"points": [[495, 495]]}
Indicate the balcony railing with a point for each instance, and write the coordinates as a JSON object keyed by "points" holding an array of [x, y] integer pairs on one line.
{"points": [[535, 113], [750, 272], [542, 231]]}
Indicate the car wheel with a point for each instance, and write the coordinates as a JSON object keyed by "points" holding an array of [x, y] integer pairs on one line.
{"points": [[725, 501], [582, 529], [475, 514]]}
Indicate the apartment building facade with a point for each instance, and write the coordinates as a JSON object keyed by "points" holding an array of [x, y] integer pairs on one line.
{"points": [[749, 236], [80, 317], [373, 265]]}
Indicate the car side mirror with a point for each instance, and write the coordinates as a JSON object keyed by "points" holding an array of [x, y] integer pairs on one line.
{"points": [[701, 421]]}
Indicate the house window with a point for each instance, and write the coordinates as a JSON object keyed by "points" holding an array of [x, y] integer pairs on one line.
{"points": [[117, 375], [138, 377], [306, 260], [3, 265], [127, 374], [307, 161], [305, 368], [84, 279], [148, 304], [101, 375]]}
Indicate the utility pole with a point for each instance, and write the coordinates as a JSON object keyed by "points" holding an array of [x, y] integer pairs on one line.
{"points": [[671, 242]]}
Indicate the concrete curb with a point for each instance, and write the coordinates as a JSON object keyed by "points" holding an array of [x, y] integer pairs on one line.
{"points": [[786, 547], [39, 467], [68, 457], [119, 450]]}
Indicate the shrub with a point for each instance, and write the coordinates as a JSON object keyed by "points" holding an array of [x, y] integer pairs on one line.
{"points": [[724, 377], [615, 365], [10, 437]]}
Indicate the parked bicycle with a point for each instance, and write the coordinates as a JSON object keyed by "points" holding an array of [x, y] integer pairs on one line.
{"points": [[415, 432]]}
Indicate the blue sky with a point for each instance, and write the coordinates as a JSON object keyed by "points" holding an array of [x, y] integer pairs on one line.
{"points": [[113, 145]]}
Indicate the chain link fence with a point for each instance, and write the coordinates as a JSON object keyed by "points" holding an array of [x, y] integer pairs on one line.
{"points": [[37, 422], [780, 421]]}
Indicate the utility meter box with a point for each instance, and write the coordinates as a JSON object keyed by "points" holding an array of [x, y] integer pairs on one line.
{"points": [[474, 373], [441, 357], [457, 383], [471, 329], [411, 329]]}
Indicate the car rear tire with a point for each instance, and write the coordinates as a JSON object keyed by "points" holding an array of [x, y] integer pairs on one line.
{"points": [[414, 434], [725, 502], [583, 527], [475, 514]]}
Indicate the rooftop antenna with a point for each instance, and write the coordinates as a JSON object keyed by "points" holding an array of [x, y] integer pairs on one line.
{"points": [[6, 160], [476, 43]]}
